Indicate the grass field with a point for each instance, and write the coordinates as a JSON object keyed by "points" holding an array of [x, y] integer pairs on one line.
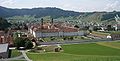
{"points": [[111, 44], [90, 49], [100, 33], [15, 53], [79, 52]]}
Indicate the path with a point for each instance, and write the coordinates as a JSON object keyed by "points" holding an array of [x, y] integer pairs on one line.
{"points": [[21, 57], [25, 56]]}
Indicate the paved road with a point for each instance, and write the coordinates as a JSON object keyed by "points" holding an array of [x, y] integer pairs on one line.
{"points": [[14, 58], [25, 56], [75, 41], [21, 57]]}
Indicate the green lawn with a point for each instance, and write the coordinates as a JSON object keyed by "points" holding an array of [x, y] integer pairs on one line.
{"points": [[79, 52], [48, 39], [15, 53], [70, 57], [111, 44], [90, 49], [100, 33]]}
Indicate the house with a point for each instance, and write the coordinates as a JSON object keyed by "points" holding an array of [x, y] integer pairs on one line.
{"points": [[57, 29], [109, 36], [4, 51], [1, 37], [117, 27], [5, 38], [115, 36]]}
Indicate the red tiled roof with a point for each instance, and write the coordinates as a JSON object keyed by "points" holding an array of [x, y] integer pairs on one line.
{"points": [[2, 33], [5, 38], [55, 27]]}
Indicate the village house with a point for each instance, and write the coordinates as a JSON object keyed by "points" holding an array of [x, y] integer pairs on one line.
{"points": [[57, 29], [117, 27], [115, 36], [5, 38]]}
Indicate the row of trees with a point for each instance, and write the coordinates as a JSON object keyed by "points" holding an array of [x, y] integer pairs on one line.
{"points": [[23, 42]]}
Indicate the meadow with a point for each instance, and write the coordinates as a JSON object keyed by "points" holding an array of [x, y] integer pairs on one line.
{"points": [[79, 52]]}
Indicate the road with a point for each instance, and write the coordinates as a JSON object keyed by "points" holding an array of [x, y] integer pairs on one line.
{"points": [[75, 41], [21, 57], [14, 58], [25, 56]]}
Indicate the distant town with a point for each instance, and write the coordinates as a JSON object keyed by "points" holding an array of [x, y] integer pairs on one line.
{"points": [[30, 38]]}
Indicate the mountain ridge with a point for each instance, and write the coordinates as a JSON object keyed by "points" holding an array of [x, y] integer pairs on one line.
{"points": [[57, 13], [39, 12]]}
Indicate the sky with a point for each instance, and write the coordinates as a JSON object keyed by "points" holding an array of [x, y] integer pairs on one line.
{"points": [[74, 5]]}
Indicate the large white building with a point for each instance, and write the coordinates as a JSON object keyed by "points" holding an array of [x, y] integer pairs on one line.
{"points": [[57, 29]]}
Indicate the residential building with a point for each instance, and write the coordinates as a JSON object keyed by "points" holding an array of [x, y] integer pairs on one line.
{"points": [[115, 36], [5, 38]]}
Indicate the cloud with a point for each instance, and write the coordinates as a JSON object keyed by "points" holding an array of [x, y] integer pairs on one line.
{"points": [[6, 2], [114, 5], [76, 5]]}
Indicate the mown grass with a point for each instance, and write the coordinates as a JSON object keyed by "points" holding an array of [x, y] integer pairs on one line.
{"points": [[100, 33], [79, 52], [111, 44], [15, 53], [70, 57], [90, 49]]}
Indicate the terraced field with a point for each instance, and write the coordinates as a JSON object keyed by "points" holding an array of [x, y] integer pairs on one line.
{"points": [[79, 52]]}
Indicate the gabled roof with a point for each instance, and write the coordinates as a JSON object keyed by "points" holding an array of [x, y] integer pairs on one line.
{"points": [[54, 27], [1, 33], [3, 48]]}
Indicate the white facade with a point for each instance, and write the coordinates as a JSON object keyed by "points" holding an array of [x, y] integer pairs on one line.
{"points": [[57, 34], [109, 36], [31, 31]]}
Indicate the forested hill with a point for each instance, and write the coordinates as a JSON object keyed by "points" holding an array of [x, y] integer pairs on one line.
{"points": [[57, 13], [4, 24], [99, 16], [38, 12]]}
